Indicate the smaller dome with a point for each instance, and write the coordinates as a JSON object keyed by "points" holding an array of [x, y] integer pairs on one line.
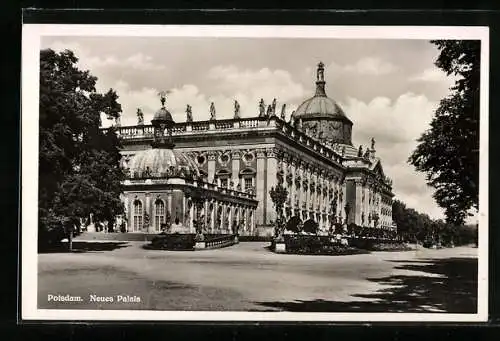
{"points": [[162, 163], [162, 116]]}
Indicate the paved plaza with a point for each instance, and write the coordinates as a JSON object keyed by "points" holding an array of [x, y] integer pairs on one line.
{"points": [[249, 277]]}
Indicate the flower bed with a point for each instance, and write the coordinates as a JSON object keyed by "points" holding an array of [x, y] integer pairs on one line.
{"points": [[339, 245], [317, 245]]}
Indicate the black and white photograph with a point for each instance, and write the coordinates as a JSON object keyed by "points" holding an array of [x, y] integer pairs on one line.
{"points": [[254, 173]]}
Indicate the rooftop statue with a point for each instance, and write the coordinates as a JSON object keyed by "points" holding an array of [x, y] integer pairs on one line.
{"points": [[367, 153], [212, 111], [236, 109], [373, 143], [269, 110], [189, 114], [273, 107], [140, 117], [360, 151], [262, 108], [293, 119], [282, 114]]}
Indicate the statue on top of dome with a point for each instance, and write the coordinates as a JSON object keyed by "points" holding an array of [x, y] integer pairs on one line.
{"points": [[373, 143], [360, 151], [189, 113], [236, 109], [212, 111], [262, 108], [321, 72], [163, 97], [140, 117]]}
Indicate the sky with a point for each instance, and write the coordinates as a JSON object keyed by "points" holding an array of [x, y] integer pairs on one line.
{"points": [[388, 88]]}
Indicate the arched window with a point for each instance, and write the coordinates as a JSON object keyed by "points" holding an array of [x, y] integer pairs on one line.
{"points": [[137, 218], [159, 214]]}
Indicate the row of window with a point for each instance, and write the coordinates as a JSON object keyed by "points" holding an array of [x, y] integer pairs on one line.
{"points": [[138, 215], [247, 183]]}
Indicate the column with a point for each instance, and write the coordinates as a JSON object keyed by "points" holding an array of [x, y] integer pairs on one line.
{"points": [[230, 218], [272, 168], [366, 190], [307, 190], [357, 208], [211, 166], [212, 216], [284, 168], [235, 163], [293, 188], [259, 186], [342, 189], [192, 217]]}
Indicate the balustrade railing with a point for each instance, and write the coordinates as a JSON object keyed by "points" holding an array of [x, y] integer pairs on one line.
{"points": [[220, 241], [147, 131]]}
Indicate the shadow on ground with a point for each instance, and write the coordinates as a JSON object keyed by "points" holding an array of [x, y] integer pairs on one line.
{"points": [[86, 247], [448, 285]]}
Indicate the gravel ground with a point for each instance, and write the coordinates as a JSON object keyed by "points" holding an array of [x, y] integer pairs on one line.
{"points": [[248, 277]]}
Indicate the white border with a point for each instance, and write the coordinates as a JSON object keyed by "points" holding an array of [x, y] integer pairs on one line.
{"points": [[32, 34]]}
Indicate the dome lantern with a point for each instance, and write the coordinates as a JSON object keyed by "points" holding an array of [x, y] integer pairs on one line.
{"points": [[320, 80], [162, 123]]}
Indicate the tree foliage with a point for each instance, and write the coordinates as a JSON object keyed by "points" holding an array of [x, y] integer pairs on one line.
{"points": [[417, 227], [449, 151], [79, 164]]}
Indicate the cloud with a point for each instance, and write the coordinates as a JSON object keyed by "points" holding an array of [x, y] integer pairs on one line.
{"points": [[255, 84], [230, 84], [431, 75], [369, 66], [137, 61]]}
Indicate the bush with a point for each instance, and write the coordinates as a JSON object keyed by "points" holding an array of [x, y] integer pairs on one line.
{"points": [[317, 245], [173, 241]]}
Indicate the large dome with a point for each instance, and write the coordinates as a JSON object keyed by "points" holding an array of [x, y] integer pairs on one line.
{"points": [[322, 118], [162, 163], [320, 107]]}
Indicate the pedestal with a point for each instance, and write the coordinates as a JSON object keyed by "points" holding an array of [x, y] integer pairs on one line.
{"points": [[280, 247]]}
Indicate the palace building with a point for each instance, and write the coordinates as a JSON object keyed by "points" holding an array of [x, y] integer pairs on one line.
{"points": [[221, 170]]}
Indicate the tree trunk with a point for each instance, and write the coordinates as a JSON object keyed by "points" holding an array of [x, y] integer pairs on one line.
{"points": [[70, 240]]}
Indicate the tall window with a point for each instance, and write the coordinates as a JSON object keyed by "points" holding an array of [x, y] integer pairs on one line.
{"points": [[159, 214], [223, 182], [137, 219], [248, 184]]}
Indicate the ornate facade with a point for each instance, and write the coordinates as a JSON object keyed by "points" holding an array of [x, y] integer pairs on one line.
{"points": [[327, 178]]}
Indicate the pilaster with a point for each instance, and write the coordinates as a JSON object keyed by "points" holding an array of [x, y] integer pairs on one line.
{"points": [[259, 186], [272, 169], [235, 157], [211, 166]]}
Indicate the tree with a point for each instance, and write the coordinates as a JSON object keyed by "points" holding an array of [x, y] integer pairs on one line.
{"points": [[79, 164], [279, 196], [449, 151]]}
